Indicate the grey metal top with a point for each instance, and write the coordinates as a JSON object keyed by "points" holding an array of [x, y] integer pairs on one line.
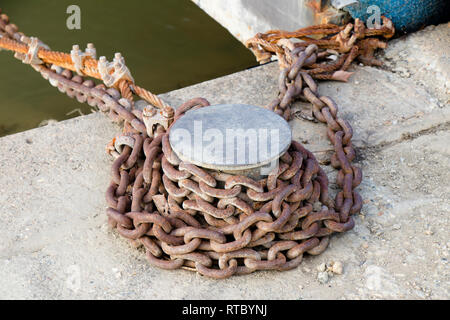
{"points": [[230, 137]]}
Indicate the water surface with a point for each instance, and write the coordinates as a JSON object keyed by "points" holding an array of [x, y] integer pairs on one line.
{"points": [[167, 44]]}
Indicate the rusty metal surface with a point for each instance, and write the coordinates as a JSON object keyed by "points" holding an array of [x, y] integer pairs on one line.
{"points": [[342, 44], [221, 224]]}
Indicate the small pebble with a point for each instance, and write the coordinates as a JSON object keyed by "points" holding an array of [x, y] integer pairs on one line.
{"points": [[337, 267], [321, 267], [317, 206], [322, 277]]}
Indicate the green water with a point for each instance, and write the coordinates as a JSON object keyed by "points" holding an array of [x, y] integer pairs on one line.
{"points": [[167, 44]]}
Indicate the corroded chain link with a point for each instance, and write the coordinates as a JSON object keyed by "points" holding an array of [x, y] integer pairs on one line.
{"points": [[215, 223]]}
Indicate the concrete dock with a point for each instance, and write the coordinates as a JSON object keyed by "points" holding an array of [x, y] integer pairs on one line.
{"points": [[55, 242]]}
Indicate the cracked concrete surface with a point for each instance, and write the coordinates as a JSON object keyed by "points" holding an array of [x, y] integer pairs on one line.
{"points": [[55, 242]]}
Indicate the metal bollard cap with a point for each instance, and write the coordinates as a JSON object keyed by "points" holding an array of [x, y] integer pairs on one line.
{"points": [[230, 137]]}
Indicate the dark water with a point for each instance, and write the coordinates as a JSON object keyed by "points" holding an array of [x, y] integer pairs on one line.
{"points": [[167, 44]]}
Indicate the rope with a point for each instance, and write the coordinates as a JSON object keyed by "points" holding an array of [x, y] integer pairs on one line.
{"points": [[89, 67]]}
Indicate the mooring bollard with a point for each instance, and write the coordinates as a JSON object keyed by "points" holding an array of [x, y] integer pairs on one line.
{"points": [[231, 138], [188, 184]]}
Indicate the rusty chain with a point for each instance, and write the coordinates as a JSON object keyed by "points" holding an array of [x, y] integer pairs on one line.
{"points": [[215, 223], [353, 41]]}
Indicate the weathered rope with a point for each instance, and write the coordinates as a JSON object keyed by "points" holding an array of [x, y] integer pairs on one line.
{"points": [[87, 66]]}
